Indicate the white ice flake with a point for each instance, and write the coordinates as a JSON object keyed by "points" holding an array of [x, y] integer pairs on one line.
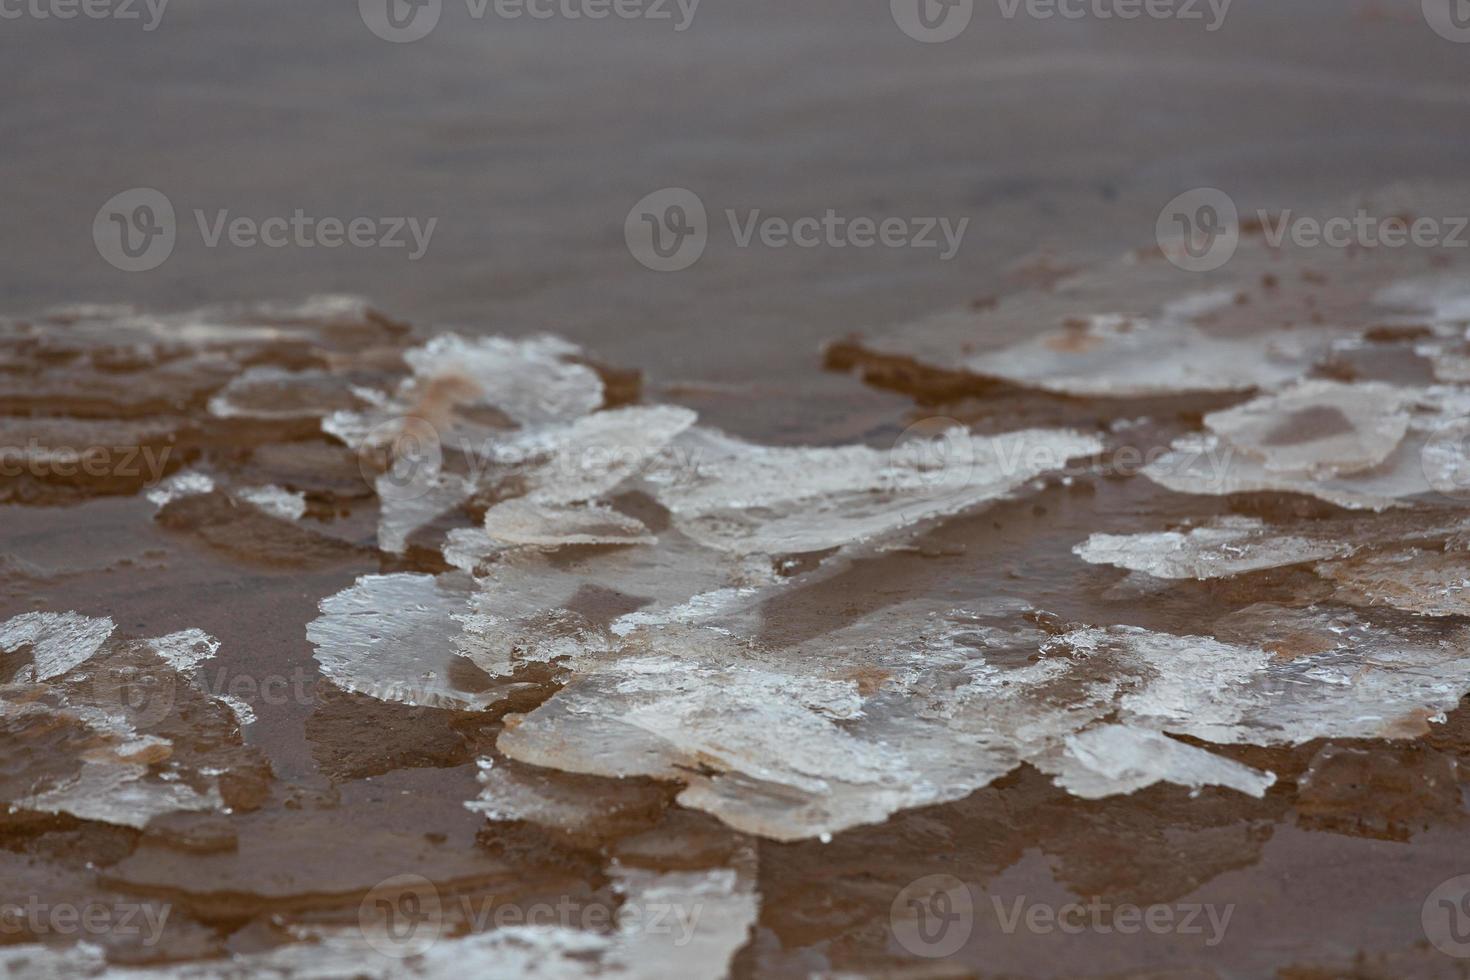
{"points": [[97, 699], [1367, 462], [275, 501], [185, 483], [1226, 547], [1112, 759], [59, 642], [749, 499]]}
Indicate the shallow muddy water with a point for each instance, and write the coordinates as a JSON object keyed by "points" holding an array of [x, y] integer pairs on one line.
{"points": [[1046, 611]]}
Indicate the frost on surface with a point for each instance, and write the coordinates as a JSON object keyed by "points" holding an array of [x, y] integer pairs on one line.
{"points": [[91, 727]]}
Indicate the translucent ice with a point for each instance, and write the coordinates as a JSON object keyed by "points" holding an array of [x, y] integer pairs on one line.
{"points": [[1410, 464], [91, 727], [1229, 546], [58, 641], [1113, 759], [1317, 428]]}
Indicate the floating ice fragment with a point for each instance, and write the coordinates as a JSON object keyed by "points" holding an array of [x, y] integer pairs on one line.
{"points": [[533, 380], [1226, 547], [468, 548], [1319, 429], [1135, 328], [401, 638], [276, 393], [1112, 759], [1411, 466], [750, 499], [523, 522], [88, 726], [186, 650], [577, 805], [895, 711], [1118, 355], [403, 511], [59, 642], [561, 453], [1284, 676], [98, 361], [1432, 583], [185, 483], [120, 793], [275, 501], [1341, 547], [1446, 299], [582, 460]]}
